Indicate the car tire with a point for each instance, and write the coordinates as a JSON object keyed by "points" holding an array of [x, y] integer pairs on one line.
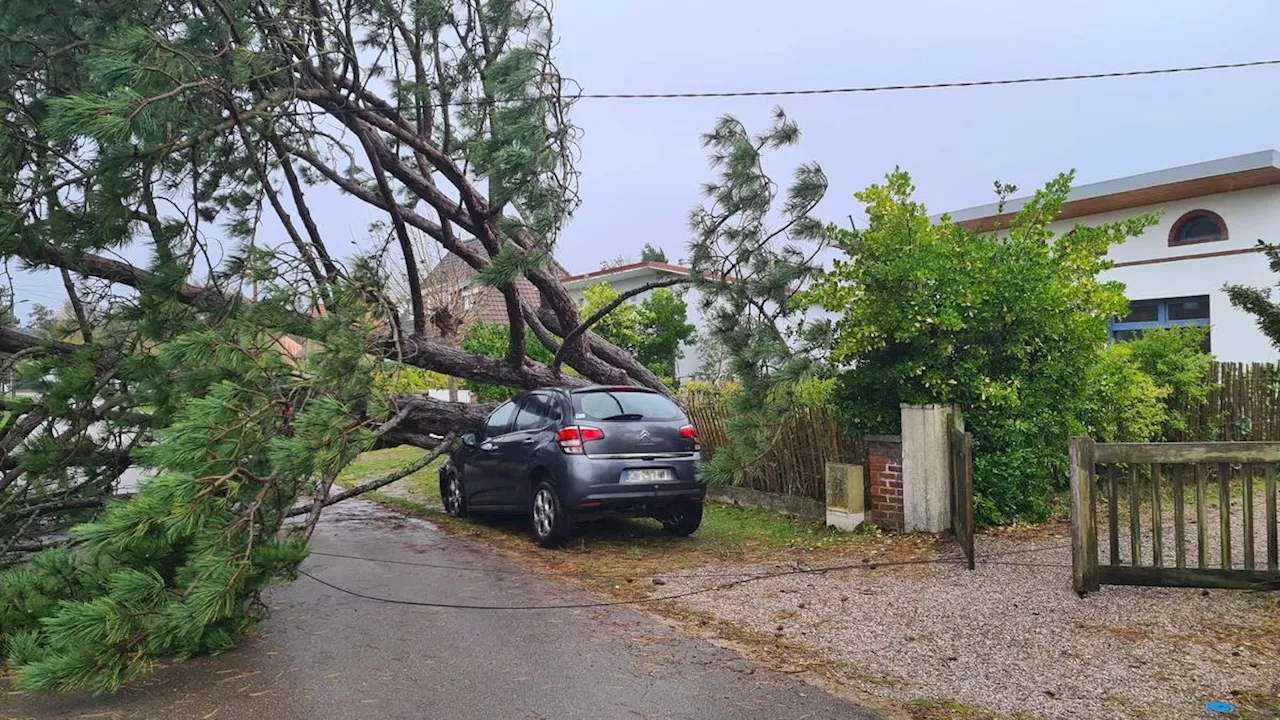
{"points": [[548, 521], [684, 520], [452, 494]]}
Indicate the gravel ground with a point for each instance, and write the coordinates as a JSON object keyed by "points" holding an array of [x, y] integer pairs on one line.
{"points": [[1013, 638]]}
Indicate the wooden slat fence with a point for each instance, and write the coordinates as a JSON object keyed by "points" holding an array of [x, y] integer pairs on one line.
{"points": [[1243, 404], [796, 462], [1140, 497]]}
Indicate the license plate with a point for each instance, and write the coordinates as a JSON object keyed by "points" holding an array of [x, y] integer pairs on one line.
{"points": [[647, 475]]}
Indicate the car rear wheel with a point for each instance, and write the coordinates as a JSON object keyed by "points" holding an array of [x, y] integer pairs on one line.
{"points": [[684, 520], [549, 522], [451, 494]]}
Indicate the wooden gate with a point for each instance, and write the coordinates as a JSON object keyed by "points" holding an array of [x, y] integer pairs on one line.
{"points": [[962, 487], [1151, 492]]}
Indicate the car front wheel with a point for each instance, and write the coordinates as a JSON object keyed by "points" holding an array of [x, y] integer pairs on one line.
{"points": [[549, 522], [451, 494], [684, 520]]}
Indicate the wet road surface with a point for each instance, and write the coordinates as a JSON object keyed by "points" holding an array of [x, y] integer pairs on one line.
{"points": [[325, 654]]}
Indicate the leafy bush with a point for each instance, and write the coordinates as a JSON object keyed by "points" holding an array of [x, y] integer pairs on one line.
{"points": [[1124, 403], [1175, 360], [405, 379], [1007, 325]]}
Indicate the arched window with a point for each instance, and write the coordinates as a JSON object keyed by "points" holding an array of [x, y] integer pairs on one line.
{"points": [[1198, 226]]}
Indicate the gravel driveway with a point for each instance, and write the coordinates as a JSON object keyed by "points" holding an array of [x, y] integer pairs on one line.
{"points": [[1012, 637]]}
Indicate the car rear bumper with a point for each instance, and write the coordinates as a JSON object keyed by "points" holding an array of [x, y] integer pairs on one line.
{"points": [[595, 484]]}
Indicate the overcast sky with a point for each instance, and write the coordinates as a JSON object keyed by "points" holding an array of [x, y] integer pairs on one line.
{"points": [[642, 162]]}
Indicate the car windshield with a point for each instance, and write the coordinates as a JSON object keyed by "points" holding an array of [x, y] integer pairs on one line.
{"points": [[624, 405]]}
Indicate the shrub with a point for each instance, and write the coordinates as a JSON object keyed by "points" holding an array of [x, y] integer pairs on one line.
{"points": [[1124, 403], [1175, 360], [404, 379], [1007, 325]]}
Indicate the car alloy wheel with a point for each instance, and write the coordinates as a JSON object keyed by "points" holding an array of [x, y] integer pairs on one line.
{"points": [[452, 495], [544, 512]]}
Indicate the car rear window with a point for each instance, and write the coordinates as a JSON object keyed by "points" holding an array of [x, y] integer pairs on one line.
{"points": [[606, 404]]}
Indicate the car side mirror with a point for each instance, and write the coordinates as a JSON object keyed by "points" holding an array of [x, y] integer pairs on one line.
{"points": [[469, 440]]}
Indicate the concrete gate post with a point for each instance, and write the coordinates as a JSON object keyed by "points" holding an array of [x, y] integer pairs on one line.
{"points": [[926, 467]]}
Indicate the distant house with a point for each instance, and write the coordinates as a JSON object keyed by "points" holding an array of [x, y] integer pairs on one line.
{"points": [[634, 275], [451, 285], [1213, 214]]}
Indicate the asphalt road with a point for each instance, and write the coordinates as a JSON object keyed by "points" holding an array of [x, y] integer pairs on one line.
{"points": [[324, 654]]}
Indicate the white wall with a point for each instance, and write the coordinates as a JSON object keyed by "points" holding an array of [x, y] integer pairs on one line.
{"points": [[1250, 215]]}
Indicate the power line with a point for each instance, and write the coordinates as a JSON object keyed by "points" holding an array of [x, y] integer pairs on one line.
{"points": [[927, 86], [738, 573], [676, 596], [815, 91]]}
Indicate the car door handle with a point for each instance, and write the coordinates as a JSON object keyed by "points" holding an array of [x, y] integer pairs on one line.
{"points": [[488, 446], [529, 441]]}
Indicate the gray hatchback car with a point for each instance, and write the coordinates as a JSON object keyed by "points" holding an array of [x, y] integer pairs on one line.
{"points": [[564, 456]]}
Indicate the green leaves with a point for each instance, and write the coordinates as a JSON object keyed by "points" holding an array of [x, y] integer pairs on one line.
{"points": [[662, 327], [653, 330]]}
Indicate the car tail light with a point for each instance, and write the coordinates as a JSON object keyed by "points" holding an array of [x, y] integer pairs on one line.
{"points": [[571, 438], [691, 432]]}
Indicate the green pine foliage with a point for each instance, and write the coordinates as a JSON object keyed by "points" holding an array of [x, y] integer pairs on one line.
{"points": [[749, 274], [177, 570], [1008, 325], [159, 134], [1258, 301], [651, 253]]}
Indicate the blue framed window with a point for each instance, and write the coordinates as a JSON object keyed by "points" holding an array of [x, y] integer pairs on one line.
{"points": [[1167, 312]]}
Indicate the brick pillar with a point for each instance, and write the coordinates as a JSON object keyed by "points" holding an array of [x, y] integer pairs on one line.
{"points": [[884, 455]]}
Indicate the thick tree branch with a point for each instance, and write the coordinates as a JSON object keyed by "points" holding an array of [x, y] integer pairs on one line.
{"points": [[602, 312], [418, 305], [60, 506], [202, 298], [603, 362], [300, 202], [273, 197], [82, 318], [441, 447]]}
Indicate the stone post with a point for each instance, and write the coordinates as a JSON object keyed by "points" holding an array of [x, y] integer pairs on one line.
{"points": [[926, 468]]}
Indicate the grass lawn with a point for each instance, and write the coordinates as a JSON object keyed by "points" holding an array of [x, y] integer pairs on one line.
{"points": [[424, 484], [611, 553]]}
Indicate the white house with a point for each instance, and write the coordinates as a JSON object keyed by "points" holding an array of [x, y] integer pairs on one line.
{"points": [[634, 275], [1211, 216]]}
